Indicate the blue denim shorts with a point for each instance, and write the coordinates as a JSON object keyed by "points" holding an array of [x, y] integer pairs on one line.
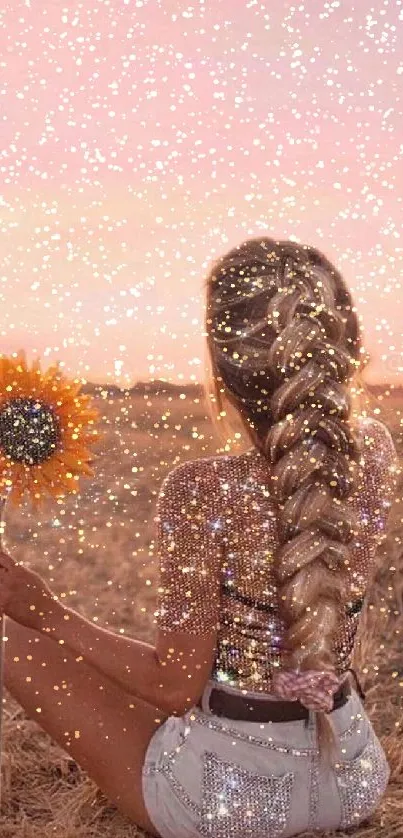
{"points": [[210, 777]]}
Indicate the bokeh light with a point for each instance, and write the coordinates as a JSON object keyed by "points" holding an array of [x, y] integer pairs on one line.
{"points": [[141, 139]]}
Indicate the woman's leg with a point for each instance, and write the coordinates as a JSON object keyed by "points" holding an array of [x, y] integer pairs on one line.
{"points": [[105, 729]]}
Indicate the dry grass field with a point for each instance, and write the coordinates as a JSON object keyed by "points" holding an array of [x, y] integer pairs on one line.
{"points": [[99, 550]]}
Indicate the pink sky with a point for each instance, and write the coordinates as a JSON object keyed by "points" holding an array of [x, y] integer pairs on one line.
{"points": [[142, 139]]}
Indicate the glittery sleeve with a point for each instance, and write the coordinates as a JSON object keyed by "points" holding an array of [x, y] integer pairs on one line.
{"points": [[380, 483], [374, 499], [189, 540], [373, 502]]}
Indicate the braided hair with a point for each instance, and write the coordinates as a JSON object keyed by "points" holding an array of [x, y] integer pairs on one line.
{"points": [[284, 343]]}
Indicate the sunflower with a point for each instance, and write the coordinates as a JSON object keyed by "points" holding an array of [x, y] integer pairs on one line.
{"points": [[46, 424]]}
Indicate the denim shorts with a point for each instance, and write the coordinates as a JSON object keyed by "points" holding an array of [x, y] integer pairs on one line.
{"points": [[210, 777]]}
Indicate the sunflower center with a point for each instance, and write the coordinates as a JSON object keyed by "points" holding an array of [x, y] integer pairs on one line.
{"points": [[29, 431]]}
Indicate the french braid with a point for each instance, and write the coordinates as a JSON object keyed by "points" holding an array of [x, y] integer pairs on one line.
{"points": [[284, 342]]}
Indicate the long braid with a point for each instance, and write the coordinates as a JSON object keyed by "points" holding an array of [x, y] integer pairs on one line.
{"points": [[288, 374], [315, 456]]}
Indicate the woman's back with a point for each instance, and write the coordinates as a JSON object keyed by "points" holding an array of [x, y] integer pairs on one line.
{"points": [[211, 773], [266, 558], [231, 507]]}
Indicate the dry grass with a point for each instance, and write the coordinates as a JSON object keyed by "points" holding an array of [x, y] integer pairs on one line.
{"points": [[102, 544]]}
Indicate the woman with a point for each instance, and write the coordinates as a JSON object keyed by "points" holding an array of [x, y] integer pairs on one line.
{"points": [[242, 719]]}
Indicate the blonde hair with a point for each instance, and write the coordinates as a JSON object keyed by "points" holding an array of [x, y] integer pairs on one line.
{"points": [[285, 354]]}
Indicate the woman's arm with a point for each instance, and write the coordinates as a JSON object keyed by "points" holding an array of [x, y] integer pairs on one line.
{"points": [[130, 663], [122, 659], [169, 676], [172, 674]]}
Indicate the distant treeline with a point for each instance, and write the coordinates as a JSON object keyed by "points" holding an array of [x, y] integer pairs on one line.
{"points": [[143, 388], [156, 387]]}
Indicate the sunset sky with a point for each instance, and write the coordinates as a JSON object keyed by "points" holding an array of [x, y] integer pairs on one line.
{"points": [[141, 139]]}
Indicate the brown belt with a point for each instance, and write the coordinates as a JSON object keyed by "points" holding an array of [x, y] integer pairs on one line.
{"points": [[244, 709]]}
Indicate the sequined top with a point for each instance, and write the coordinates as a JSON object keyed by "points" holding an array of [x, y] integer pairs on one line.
{"points": [[217, 537]]}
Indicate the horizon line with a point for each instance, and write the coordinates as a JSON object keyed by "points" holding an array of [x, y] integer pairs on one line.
{"points": [[199, 384]]}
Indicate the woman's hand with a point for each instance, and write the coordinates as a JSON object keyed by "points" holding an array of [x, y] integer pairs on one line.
{"points": [[24, 596]]}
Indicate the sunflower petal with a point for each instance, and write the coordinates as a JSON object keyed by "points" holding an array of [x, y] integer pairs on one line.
{"points": [[76, 417]]}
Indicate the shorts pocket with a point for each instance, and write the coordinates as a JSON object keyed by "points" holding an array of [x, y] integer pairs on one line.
{"points": [[237, 803], [361, 783]]}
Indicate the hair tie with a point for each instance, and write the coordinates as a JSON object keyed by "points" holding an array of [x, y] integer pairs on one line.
{"points": [[313, 688]]}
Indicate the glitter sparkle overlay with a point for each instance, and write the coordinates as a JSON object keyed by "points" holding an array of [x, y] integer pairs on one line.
{"points": [[140, 140], [138, 145]]}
